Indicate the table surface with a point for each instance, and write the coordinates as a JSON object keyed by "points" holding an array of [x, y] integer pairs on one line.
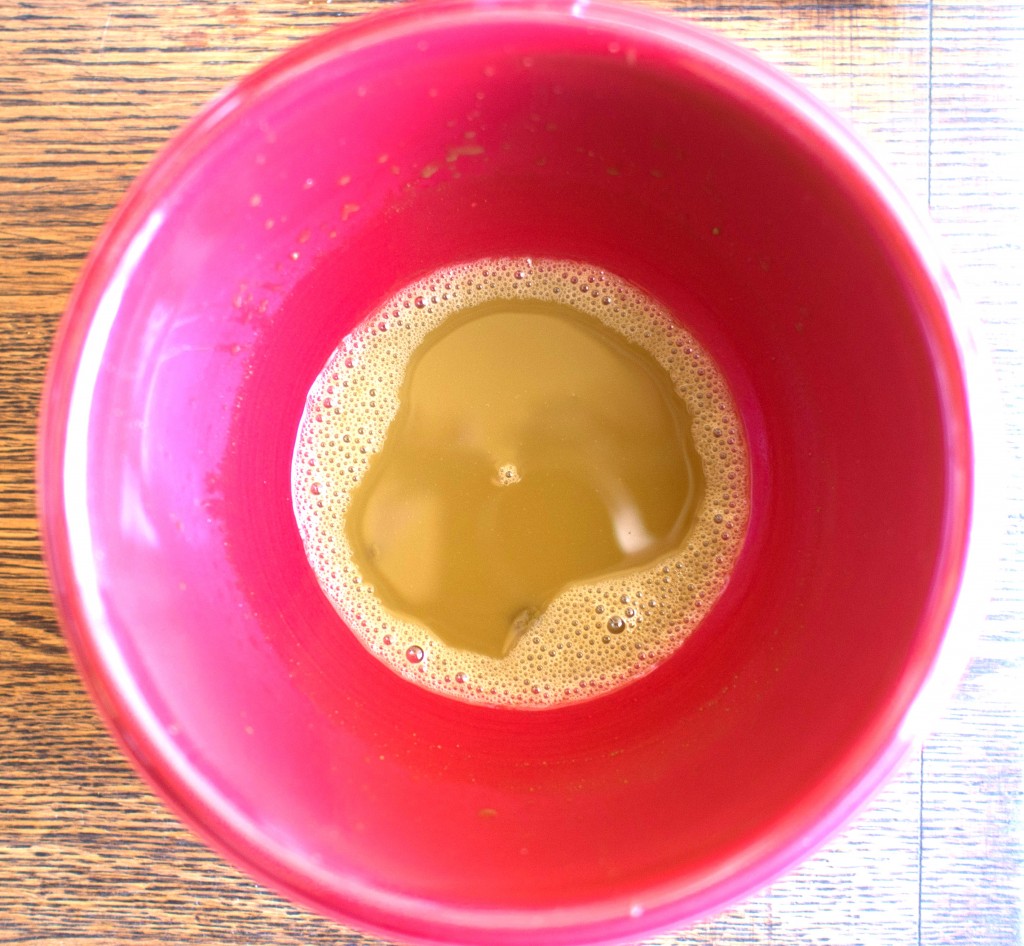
{"points": [[90, 90]]}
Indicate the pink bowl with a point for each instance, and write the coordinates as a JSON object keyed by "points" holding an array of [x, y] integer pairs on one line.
{"points": [[309, 193]]}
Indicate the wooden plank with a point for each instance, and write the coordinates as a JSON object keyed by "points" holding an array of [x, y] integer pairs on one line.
{"points": [[972, 832]]}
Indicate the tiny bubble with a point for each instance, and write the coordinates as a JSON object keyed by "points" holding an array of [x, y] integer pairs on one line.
{"points": [[414, 654], [616, 624]]}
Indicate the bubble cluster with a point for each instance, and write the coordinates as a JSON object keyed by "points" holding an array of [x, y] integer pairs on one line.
{"points": [[595, 636]]}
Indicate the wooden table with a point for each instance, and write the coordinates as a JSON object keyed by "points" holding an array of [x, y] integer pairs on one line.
{"points": [[90, 89]]}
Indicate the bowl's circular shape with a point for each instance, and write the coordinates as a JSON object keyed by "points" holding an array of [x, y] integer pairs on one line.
{"points": [[307, 194]]}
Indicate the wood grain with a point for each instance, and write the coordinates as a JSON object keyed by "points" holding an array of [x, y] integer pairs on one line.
{"points": [[972, 764], [89, 91]]}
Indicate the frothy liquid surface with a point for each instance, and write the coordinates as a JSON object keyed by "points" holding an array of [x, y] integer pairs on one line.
{"points": [[521, 482]]}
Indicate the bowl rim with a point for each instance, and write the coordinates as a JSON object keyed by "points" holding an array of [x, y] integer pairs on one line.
{"points": [[932, 670]]}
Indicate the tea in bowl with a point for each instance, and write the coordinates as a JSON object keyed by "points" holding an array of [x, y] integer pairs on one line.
{"points": [[643, 597]]}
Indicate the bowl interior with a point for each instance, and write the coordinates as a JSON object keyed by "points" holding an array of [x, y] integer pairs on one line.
{"points": [[294, 206]]}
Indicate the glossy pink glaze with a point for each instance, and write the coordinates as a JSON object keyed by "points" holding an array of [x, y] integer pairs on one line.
{"points": [[309, 193]]}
